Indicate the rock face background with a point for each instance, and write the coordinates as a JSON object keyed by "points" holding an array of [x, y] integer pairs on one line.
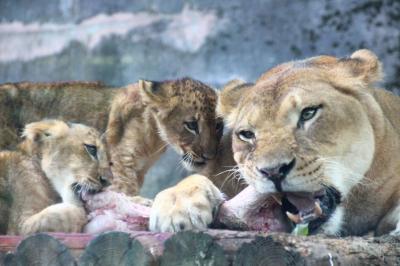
{"points": [[121, 41]]}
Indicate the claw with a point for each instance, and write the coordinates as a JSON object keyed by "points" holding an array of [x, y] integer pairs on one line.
{"points": [[278, 199], [294, 217]]}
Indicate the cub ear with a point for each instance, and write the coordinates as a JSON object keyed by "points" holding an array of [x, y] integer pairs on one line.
{"points": [[229, 97], [365, 65], [37, 132], [152, 92]]}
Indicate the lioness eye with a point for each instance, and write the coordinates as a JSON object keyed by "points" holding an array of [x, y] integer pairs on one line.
{"points": [[192, 127], [92, 150], [246, 135], [308, 113]]}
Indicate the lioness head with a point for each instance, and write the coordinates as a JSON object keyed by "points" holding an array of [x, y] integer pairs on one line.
{"points": [[185, 115], [303, 131], [72, 156]]}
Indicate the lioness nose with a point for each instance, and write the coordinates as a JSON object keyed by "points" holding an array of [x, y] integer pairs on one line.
{"points": [[278, 173]]}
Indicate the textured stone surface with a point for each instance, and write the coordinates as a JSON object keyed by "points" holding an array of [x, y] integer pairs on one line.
{"points": [[214, 41]]}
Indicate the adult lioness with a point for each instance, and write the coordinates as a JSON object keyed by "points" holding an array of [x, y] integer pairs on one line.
{"points": [[41, 190], [319, 135], [140, 120]]}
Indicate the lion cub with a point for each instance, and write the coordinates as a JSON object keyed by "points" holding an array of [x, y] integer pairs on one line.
{"points": [[41, 188], [139, 120]]}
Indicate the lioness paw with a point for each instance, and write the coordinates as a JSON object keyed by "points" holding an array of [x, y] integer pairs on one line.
{"points": [[191, 204]]}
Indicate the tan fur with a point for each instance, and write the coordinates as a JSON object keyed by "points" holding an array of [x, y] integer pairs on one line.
{"points": [[182, 206], [148, 116], [139, 122], [352, 143], [37, 186], [24, 103], [189, 205]]}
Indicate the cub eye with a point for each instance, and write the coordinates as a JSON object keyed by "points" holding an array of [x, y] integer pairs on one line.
{"points": [[246, 135], [192, 127], [92, 150], [308, 113]]}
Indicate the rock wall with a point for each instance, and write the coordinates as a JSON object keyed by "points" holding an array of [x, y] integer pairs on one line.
{"points": [[121, 41]]}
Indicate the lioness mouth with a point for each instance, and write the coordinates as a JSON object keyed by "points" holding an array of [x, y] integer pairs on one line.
{"points": [[278, 212], [302, 207]]}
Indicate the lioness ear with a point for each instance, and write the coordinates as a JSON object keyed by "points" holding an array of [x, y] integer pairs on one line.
{"points": [[229, 97], [152, 91], [365, 65]]}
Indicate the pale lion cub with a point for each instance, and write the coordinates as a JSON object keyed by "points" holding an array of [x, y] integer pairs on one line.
{"points": [[41, 189]]}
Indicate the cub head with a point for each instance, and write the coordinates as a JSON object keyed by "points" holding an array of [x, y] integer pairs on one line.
{"points": [[185, 115], [73, 157], [304, 129]]}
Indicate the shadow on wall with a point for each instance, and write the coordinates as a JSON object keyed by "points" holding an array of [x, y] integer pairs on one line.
{"points": [[119, 42]]}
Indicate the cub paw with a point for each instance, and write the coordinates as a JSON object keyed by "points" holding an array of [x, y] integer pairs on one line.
{"points": [[60, 217], [191, 204]]}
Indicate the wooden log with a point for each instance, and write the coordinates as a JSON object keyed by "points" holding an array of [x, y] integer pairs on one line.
{"points": [[76, 243], [192, 248], [255, 248], [213, 247], [285, 249], [115, 248], [41, 249], [7, 259], [322, 250], [265, 251], [153, 242]]}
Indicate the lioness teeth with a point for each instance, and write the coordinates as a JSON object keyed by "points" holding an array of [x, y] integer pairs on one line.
{"points": [[278, 199], [302, 217], [294, 217], [317, 210]]}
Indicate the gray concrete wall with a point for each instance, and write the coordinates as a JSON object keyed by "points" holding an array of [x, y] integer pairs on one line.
{"points": [[120, 41]]}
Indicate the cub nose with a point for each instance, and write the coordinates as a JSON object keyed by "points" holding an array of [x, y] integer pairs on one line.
{"points": [[105, 177], [104, 181], [278, 173]]}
